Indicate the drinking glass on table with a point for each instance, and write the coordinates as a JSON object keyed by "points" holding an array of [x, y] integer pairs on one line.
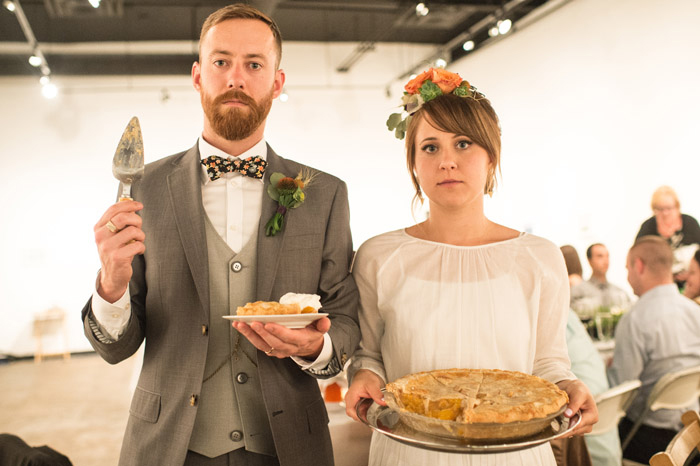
{"points": [[604, 323]]}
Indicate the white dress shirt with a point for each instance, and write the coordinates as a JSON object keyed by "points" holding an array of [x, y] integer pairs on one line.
{"points": [[233, 204]]}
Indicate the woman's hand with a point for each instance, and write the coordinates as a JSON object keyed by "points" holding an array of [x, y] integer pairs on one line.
{"points": [[365, 384], [580, 398]]}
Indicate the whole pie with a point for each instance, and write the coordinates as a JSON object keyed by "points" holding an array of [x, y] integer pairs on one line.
{"points": [[477, 396]]}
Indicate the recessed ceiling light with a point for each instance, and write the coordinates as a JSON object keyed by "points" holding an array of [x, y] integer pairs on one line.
{"points": [[468, 45], [35, 61]]}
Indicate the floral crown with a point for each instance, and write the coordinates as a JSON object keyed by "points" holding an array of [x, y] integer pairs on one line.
{"points": [[423, 88]]}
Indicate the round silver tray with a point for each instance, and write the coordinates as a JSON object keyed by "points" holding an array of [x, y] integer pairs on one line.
{"points": [[386, 421]]}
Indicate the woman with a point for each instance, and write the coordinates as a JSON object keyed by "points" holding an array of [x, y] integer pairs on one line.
{"points": [[680, 230], [458, 290], [692, 284]]}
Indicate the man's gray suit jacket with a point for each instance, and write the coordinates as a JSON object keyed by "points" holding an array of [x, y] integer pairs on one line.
{"points": [[170, 305]]}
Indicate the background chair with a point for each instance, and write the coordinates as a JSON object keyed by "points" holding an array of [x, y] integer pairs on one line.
{"points": [[51, 322], [675, 390], [613, 404], [682, 445]]}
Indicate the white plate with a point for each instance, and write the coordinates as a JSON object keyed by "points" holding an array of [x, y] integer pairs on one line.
{"points": [[288, 320]]}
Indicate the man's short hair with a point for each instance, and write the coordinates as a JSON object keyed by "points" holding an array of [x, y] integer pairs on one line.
{"points": [[242, 11], [655, 253], [589, 251]]}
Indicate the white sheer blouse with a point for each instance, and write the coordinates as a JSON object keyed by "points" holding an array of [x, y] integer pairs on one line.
{"points": [[427, 305]]}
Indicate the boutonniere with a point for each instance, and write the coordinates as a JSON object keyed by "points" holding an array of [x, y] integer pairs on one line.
{"points": [[289, 194]]}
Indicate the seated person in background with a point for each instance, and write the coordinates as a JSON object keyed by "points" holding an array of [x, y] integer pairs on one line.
{"points": [[609, 295], [660, 334], [588, 366], [681, 231], [692, 283], [583, 296]]}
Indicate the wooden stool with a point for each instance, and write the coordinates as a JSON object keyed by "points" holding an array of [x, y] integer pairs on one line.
{"points": [[51, 321]]}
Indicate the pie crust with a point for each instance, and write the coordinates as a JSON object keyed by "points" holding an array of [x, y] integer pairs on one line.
{"points": [[268, 308], [459, 397]]}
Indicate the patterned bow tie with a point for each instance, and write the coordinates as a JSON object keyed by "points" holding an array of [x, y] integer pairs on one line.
{"points": [[251, 166]]}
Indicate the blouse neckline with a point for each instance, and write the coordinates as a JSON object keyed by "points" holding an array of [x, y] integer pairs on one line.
{"points": [[437, 243]]}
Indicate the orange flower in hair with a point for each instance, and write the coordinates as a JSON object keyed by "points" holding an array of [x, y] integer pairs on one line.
{"points": [[423, 88]]}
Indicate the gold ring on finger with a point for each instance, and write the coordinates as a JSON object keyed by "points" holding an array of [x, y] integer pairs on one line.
{"points": [[111, 227], [269, 352]]}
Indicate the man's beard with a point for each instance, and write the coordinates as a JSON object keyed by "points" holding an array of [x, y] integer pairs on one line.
{"points": [[235, 123]]}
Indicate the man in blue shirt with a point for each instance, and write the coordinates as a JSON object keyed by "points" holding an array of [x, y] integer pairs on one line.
{"points": [[660, 334]]}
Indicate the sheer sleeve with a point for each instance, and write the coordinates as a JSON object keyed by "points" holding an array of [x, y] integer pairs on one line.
{"points": [[369, 356], [551, 355]]}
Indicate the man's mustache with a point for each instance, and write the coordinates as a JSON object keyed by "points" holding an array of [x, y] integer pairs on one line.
{"points": [[235, 94]]}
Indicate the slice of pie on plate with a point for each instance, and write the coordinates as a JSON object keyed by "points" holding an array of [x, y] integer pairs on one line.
{"points": [[290, 303]]}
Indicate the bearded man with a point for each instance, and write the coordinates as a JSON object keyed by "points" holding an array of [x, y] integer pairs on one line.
{"points": [[195, 245]]}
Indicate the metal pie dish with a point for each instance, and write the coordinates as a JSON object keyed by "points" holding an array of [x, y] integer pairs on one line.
{"points": [[386, 421], [496, 432]]}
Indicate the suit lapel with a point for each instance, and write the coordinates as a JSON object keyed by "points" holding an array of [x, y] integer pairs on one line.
{"points": [[185, 189], [269, 247]]}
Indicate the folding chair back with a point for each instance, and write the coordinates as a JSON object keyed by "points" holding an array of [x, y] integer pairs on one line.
{"points": [[613, 404], [675, 390]]}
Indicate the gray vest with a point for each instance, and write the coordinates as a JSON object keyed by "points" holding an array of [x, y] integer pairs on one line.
{"points": [[231, 411]]}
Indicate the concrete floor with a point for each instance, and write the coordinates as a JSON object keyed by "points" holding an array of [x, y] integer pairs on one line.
{"points": [[79, 407]]}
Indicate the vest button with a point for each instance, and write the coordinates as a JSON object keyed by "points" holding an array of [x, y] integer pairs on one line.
{"points": [[242, 377], [193, 400], [205, 330], [236, 435], [236, 266]]}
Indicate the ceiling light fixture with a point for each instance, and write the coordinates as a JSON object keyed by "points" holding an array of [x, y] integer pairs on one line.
{"points": [[422, 10], [35, 61], [284, 96], [504, 26], [441, 63], [44, 80], [49, 90], [95, 3], [468, 46]]}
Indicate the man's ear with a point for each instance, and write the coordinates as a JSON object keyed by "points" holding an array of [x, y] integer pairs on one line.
{"points": [[639, 266], [196, 75]]}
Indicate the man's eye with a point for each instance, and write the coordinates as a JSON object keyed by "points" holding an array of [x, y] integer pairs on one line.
{"points": [[256, 66], [219, 62]]}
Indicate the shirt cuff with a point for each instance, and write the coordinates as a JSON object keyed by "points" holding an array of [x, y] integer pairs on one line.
{"points": [[321, 361], [112, 318]]}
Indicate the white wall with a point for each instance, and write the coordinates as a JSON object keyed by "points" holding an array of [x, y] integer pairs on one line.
{"points": [[598, 107]]}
